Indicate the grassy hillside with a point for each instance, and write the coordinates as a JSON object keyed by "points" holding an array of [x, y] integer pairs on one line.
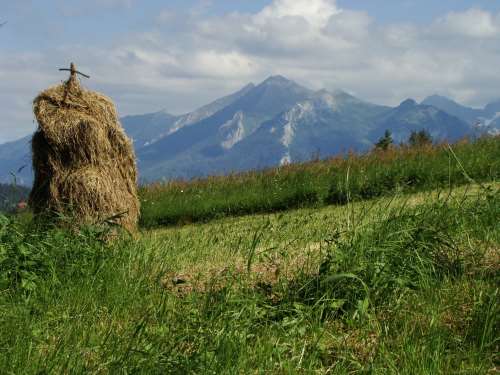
{"points": [[405, 284], [319, 183]]}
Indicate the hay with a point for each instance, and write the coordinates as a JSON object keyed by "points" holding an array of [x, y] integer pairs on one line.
{"points": [[84, 163]]}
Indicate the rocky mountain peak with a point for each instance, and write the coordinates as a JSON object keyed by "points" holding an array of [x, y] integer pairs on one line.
{"points": [[408, 103], [276, 80], [492, 108]]}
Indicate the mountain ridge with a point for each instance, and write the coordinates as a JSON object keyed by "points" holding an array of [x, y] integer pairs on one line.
{"points": [[274, 122], [484, 120]]}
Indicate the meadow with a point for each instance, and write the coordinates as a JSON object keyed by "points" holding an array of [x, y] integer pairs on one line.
{"points": [[322, 182], [405, 282]]}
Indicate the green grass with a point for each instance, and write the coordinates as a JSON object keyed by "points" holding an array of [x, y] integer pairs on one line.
{"points": [[320, 183], [404, 284]]}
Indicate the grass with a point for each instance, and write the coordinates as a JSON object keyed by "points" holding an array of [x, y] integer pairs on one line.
{"points": [[320, 183], [401, 284], [11, 195]]}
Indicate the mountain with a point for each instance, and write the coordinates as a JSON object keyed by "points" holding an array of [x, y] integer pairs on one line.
{"points": [[492, 110], [322, 125], [490, 121], [275, 122], [410, 116], [150, 128], [485, 121], [451, 107], [15, 162], [144, 130], [187, 152]]}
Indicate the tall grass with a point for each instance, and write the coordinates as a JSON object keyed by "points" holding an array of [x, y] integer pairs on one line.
{"points": [[334, 181], [414, 290]]}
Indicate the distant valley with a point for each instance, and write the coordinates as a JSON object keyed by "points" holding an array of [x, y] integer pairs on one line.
{"points": [[272, 123]]}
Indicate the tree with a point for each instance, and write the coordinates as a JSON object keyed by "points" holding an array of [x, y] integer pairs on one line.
{"points": [[420, 138], [384, 142]]}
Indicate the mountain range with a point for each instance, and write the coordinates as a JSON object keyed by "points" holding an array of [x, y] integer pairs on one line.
{"points": [[273, 123]]}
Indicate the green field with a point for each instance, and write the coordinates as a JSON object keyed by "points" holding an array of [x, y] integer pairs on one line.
{"points": [[386, 263], [406, 284], [320, 183]]}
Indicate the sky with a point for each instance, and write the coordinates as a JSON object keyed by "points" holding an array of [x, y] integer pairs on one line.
{"points": [[176, 55]]}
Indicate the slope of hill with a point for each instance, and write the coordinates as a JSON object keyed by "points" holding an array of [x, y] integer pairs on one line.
{"points": [[321, 126], [492, 109], [485, 121], [409, 116], [465, 113], [15, 160], [150, 128], [401, 285], [193, 150], [147, 128], [406, 279], [322, 182]]}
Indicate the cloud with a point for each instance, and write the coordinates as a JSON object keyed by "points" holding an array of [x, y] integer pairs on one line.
{"points": [[315, 12], [474, 23], [224, 65], [184, 60]]}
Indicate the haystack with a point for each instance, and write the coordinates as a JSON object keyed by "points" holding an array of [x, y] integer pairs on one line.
{"points": [[84, 163]]}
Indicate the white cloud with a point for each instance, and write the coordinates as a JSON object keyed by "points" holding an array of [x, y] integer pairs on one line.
{"points": [[224, 65], [351, 25], [315, 12], [474, 23], [185, 61]]}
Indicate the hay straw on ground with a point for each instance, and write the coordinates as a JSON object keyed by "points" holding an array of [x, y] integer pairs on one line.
{"points": [[84, 163]]}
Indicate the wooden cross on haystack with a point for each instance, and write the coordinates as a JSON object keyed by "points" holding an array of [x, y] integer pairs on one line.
{"points": [[73, 71], [72, 85]]}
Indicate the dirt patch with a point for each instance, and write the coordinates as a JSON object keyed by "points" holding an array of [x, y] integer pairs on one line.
{"points": [[263, 274]]}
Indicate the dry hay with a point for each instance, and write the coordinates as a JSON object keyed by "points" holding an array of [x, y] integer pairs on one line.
{"points": [[84, 163]]}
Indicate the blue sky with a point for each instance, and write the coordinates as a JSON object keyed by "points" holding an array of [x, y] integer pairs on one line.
{"points": [[36, 24], [176, 55], [419, 11]]}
